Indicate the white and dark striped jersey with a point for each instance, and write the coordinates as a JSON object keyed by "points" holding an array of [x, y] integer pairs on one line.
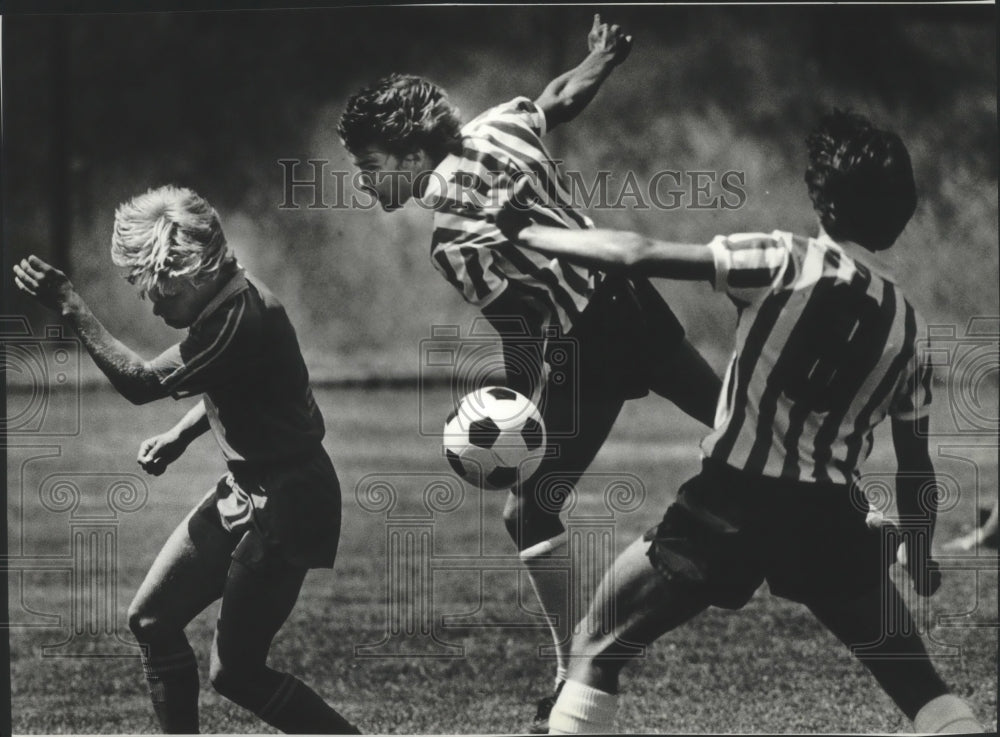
{"points": [[825, 348], [499, 147]]}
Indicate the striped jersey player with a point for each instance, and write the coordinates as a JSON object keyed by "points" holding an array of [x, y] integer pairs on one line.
{"points": [[409, 142], [499, 148], [826, 348]]}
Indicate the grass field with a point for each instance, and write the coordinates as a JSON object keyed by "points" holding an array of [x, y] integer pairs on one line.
{"points": [[769, 668]]}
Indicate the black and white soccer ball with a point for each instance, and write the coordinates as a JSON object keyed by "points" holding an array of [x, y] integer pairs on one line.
{"points": [[494, 437]]}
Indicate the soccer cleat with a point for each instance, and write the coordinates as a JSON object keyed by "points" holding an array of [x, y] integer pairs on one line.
{"points": [[540, 724]]}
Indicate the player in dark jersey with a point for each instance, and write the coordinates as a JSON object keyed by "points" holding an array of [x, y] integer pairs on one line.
{"points": [[274, 515], [408, 142], [826, 347]]}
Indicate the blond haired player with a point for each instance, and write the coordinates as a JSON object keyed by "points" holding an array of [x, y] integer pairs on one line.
{"points": [[273, 515]]}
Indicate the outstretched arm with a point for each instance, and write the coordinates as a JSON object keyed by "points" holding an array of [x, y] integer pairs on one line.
{"points": [[129, 373], [916, 503], [608, 250], [569, 93]]}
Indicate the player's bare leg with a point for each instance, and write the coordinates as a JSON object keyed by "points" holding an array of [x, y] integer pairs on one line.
{"points": [[188, 574], [532, 518], [881, 633], [634, 605], [686, 379], [255, 604]]}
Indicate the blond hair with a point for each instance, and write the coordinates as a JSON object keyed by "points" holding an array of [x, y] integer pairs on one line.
{"points": [[168, 234]]}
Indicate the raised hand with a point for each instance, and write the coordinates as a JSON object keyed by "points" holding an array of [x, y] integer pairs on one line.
{"points": [[45, 283], [609, 39]]}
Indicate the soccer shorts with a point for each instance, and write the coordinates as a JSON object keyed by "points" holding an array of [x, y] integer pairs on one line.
{"points": [[278, 512], [729, 531], [623, 334]]}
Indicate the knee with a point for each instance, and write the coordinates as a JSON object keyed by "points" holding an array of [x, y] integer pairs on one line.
{"points": [[237, 677], [227, 680], [147, 625], [528, 521]]}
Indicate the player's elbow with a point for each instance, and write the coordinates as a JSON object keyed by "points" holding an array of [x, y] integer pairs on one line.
{"points": [[141, 391], [137, 397], [558, 108]]}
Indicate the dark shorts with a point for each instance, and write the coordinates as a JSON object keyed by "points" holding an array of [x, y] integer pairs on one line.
{"points": [[728, 532], [626, 331], [286, 512]]}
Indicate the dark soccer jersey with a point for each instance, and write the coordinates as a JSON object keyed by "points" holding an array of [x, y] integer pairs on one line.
{"points": [[500, 146], [825, 348], [243, 355]]}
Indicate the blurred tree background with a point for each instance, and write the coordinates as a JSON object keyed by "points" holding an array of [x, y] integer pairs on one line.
{"points": [[98, 108]]}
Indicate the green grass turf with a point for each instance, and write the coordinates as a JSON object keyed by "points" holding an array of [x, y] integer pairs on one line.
{"points": [[768, 668]]}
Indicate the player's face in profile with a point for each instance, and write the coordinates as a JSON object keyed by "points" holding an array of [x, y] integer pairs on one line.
{"points": [[180, 303], [387, 177]]}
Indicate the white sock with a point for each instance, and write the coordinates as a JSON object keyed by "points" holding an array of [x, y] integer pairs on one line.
{"points": [[946, 714], [552, 589], [581, 709]]}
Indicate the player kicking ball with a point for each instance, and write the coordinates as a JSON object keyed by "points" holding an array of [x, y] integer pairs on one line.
{"points": [[826, 347], [408, 141], [274, 515]]}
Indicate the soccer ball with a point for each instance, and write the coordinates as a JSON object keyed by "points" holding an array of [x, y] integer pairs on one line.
{"points": [[494, 436]]}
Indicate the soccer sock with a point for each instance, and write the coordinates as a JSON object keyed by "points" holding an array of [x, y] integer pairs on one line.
{"points": [[173, 689], [581, 709], [552, 589], [297, 709], [946, 714]]}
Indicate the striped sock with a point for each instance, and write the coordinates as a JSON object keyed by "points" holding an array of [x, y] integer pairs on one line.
{"points": [[946, 714], [583, 710], [173, 689]]}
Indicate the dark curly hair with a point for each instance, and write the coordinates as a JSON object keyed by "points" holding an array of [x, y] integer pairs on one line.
{"points": [[860, 180], [401, 113]]}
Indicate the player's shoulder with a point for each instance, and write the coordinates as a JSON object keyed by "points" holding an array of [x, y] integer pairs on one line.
{"points": [[758, 240], [511, 109], [754, 250], [237, 309]]}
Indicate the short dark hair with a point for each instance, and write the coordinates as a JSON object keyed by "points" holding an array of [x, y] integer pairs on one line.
{"points": [[860, 180], [401, 113]]}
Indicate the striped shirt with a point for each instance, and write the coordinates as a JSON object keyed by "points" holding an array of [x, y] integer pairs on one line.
{"points": [[825, 349], [499, 147], [242, 354]]}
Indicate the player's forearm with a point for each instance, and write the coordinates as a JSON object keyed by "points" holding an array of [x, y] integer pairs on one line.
{"points": [[616, 250], [192, 424], [567, 95], [125, 369], [916, 496], [916, 482]]}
